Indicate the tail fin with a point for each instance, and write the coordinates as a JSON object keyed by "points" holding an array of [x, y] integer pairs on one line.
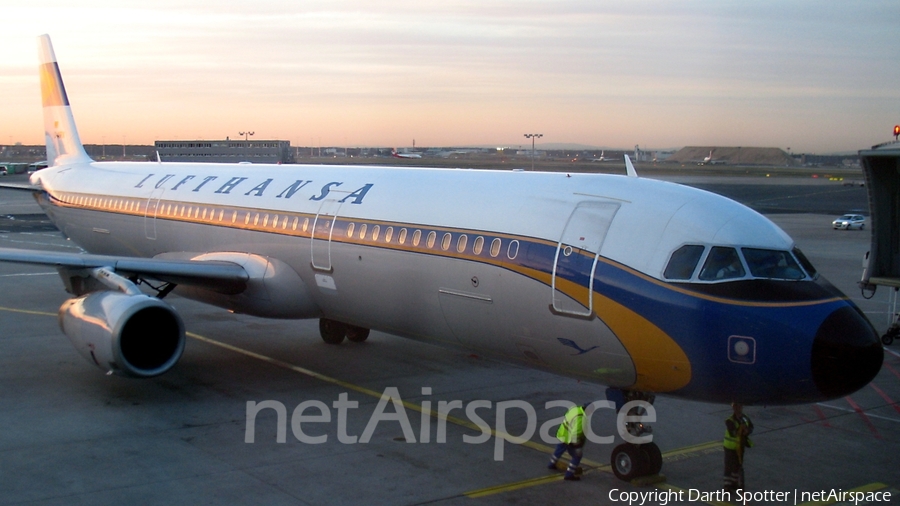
{"points": [[629, 167], [60, 134]]}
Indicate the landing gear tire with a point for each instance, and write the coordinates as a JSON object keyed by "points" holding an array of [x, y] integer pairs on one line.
{"points": [[887, 339], [332, 332], [654, 458], [357, 334], [629, 462]]}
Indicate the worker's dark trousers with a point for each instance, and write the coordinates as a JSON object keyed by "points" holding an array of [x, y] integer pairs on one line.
{"points": [[734, 472], [575, 451]]}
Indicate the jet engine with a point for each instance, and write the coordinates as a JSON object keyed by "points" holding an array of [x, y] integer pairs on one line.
{"points": [[127, 334]]}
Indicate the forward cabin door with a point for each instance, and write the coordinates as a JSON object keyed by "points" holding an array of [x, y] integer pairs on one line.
{"points": [[577, 253]]}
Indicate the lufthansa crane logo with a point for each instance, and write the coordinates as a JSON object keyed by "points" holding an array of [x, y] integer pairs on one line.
{"points": [[572, 344]]}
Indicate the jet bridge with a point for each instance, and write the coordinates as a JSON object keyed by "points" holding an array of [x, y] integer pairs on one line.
{"points": [[882, 266]]}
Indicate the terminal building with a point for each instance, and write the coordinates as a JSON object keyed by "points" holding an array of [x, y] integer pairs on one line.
{"points": [[225, 151]]}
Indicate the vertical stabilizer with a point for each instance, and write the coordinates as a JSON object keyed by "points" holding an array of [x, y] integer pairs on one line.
{"points": [[629, 167], [60, 134]]}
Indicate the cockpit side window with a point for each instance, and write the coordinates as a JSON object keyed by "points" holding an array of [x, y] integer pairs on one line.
{"points": [[683, 262], [772, 264], [805, 263], [722, 263]]}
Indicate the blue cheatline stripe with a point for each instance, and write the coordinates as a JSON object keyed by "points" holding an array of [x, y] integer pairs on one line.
{"points": [[697, 322]]}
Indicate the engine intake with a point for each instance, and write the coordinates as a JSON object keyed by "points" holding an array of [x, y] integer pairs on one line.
{"points": [[130, 335]]}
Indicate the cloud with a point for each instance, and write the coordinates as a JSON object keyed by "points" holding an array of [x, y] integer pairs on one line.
{"points": [[433, 67]]}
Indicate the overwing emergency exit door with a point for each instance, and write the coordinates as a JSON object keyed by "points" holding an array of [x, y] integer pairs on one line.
{"points": [[151, 211]]}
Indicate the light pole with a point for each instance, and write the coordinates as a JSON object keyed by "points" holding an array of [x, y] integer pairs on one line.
{"points": [[246, 134], [533, 137]]}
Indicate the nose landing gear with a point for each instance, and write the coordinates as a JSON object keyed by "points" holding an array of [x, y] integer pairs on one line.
{"points": [[633, 460]]}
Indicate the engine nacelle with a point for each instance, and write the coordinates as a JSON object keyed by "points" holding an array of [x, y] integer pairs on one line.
{"points": [[129, 335]]}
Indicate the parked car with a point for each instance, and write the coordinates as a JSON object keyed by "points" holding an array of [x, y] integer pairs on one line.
{"points": [[3, 171], [849, 222]]}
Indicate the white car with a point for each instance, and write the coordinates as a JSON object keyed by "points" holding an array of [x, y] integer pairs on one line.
{"points": [[849, 221]]}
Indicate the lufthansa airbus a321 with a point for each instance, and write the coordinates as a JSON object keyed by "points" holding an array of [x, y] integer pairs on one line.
{"points": [[644, 286]]}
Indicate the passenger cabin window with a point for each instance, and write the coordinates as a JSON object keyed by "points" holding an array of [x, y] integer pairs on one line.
{"points": [[772, 264], [722, 263], [479, 244], [683, 262]]}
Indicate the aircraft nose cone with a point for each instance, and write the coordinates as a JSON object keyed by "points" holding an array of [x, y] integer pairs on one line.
{"points": [[846, 353]]}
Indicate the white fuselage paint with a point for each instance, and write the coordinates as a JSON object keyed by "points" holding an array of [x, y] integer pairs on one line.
{"points": [[425, 293]]}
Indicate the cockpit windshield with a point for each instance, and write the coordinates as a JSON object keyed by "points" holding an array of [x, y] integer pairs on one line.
{"points": [[684, 262], [723, 263], [772, 264]]}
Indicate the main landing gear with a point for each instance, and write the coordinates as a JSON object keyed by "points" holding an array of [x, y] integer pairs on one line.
{"points": [[630, 460], [334, 332]]}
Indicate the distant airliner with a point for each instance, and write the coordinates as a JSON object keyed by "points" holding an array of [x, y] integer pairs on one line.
{"points": [[397, 154], [645, 286], [709, 160], [601, 158]]}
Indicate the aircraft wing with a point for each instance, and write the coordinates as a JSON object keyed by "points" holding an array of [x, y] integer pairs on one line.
{"points": [[220, 276], [18, 186]]}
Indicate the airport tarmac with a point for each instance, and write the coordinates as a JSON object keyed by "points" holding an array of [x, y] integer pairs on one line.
{"points": [[71, 435]]}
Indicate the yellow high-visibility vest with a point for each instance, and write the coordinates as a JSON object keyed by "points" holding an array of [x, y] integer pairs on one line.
{"points": [[572, 429]]}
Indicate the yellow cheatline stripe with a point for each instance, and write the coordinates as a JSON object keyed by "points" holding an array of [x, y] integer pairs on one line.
{"points": [[543, 480], [26, 311], [372, 393], [871, 487]]}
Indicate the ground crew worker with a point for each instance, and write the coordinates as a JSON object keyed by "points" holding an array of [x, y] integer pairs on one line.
{"points": [[737, 437], [571, 437]]}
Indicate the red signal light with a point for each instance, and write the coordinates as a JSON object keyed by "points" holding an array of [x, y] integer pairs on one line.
{"points": [[896, 131]]}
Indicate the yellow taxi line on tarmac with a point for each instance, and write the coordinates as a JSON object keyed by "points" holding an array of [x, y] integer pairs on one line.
{"points": [[26, 311], [509, 487], [350, 386], [372, 393], [543, 480]]}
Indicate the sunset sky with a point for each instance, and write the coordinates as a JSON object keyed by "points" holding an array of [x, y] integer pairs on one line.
{"points": [[815, 76]]}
